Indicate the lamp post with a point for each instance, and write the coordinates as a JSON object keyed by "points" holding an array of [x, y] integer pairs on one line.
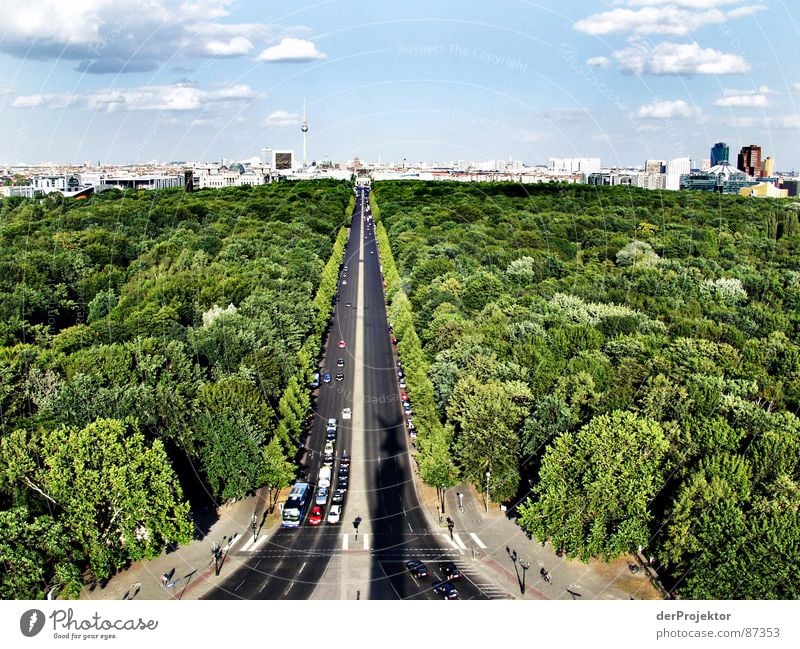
{"points": [[524, 564], [255, 527], [443, 499], [486, 502]]}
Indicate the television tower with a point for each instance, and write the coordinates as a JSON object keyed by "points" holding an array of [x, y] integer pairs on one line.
{"points": [[304, 129]]}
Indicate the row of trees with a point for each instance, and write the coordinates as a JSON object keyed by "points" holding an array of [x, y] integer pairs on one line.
{"points": [[154, 347], [624, 363]]}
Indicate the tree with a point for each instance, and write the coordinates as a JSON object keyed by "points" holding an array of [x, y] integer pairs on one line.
{"points": [[278, 471], [488, 416], [595, 487]]}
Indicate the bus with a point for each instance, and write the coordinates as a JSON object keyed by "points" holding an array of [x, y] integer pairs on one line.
{"points": [[296, 504]]}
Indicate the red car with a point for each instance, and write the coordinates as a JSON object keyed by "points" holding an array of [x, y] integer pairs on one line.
{"points": [[342, 344], [403, 395], [315, 517]]}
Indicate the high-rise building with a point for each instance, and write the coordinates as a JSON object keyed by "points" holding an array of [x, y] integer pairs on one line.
{"points": [[768, 167], [655, 166], [720, 154], [749, 160]]}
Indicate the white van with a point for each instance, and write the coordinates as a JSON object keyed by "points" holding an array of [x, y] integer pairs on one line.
{"points": [[324, 477]]}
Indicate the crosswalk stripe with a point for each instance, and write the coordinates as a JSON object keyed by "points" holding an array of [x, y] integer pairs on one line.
{"points": [[452, 544], [475, 538], [344, 541], [366, 541], [459, 542]]}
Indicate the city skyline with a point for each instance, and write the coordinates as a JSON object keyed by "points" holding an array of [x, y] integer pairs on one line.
{"points": [[626, 81]]}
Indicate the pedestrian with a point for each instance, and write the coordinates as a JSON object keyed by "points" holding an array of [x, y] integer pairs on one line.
{"points": [[164, 580]]}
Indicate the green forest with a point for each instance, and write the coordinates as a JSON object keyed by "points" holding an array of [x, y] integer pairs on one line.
{"points": [[623, 363], [155, 350]]}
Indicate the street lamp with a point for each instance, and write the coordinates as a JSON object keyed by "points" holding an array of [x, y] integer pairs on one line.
{"points": [[488, 475], [524, 564], [443, 500], [255, 527]]}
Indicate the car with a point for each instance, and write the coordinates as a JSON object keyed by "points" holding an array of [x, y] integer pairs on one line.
{"points": [[322, 496], [326, 378], [402, 383], [315, 517], [417, 568], [342, 344], [328, 447], [400, 374], [344, 460], [450, 570], [347, 413], [348, 304], [315, 380], [338, 497], [344, 471], [446, 590], [332, 423], [330, 434], [410, 424], [334, 514], [340, 362], [403, 395], [327, 460], [342, 482], [340, 376], [407, 407], [324, 479], [344, 281], [345, 268]]}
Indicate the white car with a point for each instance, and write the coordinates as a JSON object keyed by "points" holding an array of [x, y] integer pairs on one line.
{"points": [[332, 424], [347, 413], [322, 496], [328, 447], [334, 514]]}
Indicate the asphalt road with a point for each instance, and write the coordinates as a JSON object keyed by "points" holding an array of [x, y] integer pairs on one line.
{"points": [[290, 563]]}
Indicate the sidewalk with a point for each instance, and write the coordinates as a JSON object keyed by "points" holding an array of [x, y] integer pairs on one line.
{"points": [[191, 567], [510, 559]]}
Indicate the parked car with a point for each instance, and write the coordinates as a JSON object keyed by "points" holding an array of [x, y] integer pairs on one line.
{"points": [[403, 395], [338, 497], [340, 376], [315, 380], [328, 447], [342, 482], [402, 383], [322, 496], [345, 459], [332, 423], [334, 514], [328, 460], [417, 568], [331, 434], [347, 413], [315, 517], [326, 378], [446, 590]]}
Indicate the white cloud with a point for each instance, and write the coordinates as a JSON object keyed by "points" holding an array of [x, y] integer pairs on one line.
{"points": [[175, 97], [796, 86], [665, 110], [106, 36], [787, 122], [745, 98], [667, 18], [740, 122], [291, 50], [691, 4], [5, 88], [282, 118], [45, 100], [598, 61], [678, 58]]}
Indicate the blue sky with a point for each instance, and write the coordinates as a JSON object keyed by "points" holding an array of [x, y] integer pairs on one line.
{"points": [[135, 80]]}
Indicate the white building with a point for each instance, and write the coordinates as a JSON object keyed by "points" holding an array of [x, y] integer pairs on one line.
{"points": [[573, 165]]}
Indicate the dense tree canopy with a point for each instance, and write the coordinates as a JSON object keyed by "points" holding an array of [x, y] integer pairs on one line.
{"points": [[149, 340], [626, 361]]}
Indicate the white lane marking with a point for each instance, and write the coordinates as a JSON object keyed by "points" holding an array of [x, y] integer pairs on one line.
{"points": [[344, 541], [410, 529], [459, 542], [240, 585], [366, 541], [301, 567], [475, 538], [452, 544]]}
